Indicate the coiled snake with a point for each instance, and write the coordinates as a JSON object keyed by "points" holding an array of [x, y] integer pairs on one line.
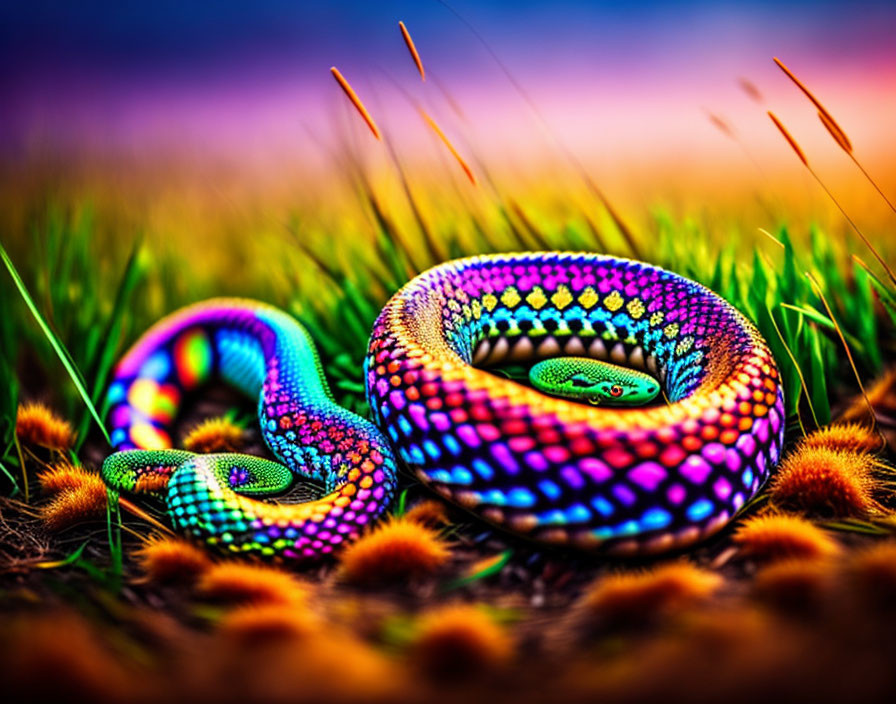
{"points": [[555, 469]]}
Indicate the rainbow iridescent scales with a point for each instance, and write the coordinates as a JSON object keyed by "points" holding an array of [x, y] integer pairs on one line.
{"points": [[625, 480], [267, 354]]}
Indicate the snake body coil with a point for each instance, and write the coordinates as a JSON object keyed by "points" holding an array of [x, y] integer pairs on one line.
{"points": [[623, 479], [269, 356], [560, 471]]}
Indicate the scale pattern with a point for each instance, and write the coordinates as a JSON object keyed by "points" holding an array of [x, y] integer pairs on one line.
{"points": [[268, 355], [624, 480], [562, 472]]}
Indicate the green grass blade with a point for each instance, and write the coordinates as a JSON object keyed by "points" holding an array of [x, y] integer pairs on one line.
{"points": [[493, 567], [55, 343], [105, 358]]}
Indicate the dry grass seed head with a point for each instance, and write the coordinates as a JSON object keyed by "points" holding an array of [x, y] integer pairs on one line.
{"points": [[264, 624], [80, 496], [215, 435], [65, 476], [429, 512], [459, 641], [825, 482], [246, 583], [635, 597], [164, 559], [36, 424], [881, 394], [848, 437], [777, 536], [396, 550]]}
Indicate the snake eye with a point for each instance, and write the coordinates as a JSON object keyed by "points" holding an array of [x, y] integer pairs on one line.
{"points": [[615, 391]]}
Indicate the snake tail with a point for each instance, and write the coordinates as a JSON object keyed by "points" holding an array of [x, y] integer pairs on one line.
{"points": [[219, 498]]}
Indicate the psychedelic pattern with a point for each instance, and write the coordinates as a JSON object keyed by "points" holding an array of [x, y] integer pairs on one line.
{"points": [[626, 480], [268, 355]]}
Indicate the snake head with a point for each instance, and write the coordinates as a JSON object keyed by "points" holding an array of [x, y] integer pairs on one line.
{"points": [[594, 381], [627, 392]]}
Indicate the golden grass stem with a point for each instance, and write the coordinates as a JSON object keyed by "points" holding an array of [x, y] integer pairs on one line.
{"points": [[771, 237], [413, 49], [828, 118], [802, 157], [15, 440], [432, 246], [872, 182], [855, 227], [356, 101], [799, 372], [447, 142], [834, 129], [824, 300], [140, 513]]}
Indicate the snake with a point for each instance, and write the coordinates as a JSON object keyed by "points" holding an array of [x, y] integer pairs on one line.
{"points": [[574, 458]]}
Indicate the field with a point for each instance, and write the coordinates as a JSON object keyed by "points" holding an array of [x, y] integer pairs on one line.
{"points": [[101, 600]]}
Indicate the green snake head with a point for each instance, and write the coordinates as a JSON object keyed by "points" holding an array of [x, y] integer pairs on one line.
{"points": [[148, 471], [593, 380]]}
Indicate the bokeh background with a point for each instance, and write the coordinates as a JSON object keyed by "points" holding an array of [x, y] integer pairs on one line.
{"points": [[237, 101], [155, 154]]}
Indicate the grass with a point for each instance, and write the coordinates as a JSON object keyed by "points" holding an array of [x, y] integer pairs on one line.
{"points": [[86, 318], [80, 293], [91, 291]]}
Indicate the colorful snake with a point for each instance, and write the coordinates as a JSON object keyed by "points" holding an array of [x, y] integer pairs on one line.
{"points": [[625, 480]]}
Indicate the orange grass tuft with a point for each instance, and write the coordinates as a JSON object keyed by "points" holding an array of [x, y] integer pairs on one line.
{"points": [[57, 655], [165, 559], [65, 476], [826, 482], [459, 641], [447, 142], [636, 597], [790, 140], [80, 496], [36, 424], [406, 35], [238, 582], [215, 435], [827, 118], [777, 536], [794, 584], [848, 437], [882, 396], [872, 570], [396, 550], [325, 665], [263, 624], [356, 101], [428, 513]]}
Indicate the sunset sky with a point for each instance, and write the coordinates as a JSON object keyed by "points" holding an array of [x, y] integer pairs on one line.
{"points": [[619, 84]]}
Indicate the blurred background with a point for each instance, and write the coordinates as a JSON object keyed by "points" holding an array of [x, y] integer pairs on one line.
{"points": [[238, 100]]}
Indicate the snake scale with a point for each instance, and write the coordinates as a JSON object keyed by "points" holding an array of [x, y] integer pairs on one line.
{"points": [[623, 480]]}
